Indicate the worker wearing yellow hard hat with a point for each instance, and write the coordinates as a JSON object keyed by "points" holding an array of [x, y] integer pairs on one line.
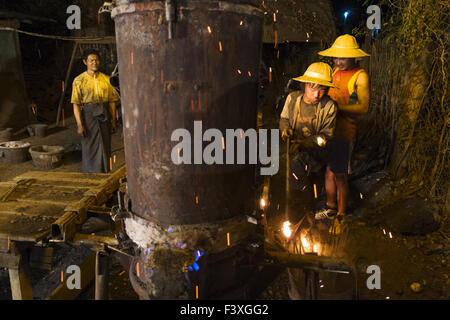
{"points": [[352, 95], [309, 119]]}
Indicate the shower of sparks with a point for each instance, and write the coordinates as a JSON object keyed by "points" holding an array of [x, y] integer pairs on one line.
{"points": [[122, 273], [315, 248], [196, 292], [315, 191], [305, 244], [114, 158], [239, 71], [296, 178], [110, 163], [274, 17], [287, 229], [320, 141], [262, 203], [384, 231], [220, 46], [390, 235], [228, 239]]}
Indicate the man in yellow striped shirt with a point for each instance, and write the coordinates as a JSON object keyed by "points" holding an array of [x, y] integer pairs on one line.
{"points": [[94, 108]]}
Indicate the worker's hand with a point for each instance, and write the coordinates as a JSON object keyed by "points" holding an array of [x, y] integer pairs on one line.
{"points": [[81, 131], [286, 133]]}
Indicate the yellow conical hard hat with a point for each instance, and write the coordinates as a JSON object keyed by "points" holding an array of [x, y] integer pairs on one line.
{"points": [[344, 47], [318, 72]]}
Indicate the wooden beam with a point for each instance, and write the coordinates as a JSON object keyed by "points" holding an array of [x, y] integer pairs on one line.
{"points": [[92, 239], [312, 262], [87, 269], [41, 258], [19, 272], [20, 285], [63, 93]]}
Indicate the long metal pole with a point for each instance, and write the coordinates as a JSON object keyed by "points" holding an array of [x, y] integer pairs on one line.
{"points": [[69, 70], [101, 275], [287, 180]]}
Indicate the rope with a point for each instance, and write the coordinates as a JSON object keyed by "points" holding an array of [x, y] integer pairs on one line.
{"points": [[53, 37]]}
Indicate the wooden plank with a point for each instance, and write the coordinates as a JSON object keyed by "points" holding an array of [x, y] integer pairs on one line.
{"points": [[95, 239], [313, 262], [64, 176], [8, 260], [24, 228], [54, 195], [108, 186], [5, 244], [41, 258], [87, 269], [55, 183], [31, 208], [20, 285]]}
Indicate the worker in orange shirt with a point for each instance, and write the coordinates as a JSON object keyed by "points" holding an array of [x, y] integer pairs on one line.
{"points": [[352, 94]]}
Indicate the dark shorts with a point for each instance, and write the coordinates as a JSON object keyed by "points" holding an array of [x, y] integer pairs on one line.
{"points": [[339, 156]]}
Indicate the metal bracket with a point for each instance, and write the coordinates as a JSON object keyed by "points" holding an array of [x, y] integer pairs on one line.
{"points": [[170, 16]]}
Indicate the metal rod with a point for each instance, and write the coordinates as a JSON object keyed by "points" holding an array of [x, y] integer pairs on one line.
{"points": [[69, 70], [287, 180], [101, 275]]}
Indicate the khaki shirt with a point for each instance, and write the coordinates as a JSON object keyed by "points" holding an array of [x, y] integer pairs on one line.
{"points": [[87, 89], [322, 123]]}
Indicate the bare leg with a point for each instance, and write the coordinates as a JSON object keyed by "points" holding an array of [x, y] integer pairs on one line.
{"points": [[330, 187], [342, 192]]}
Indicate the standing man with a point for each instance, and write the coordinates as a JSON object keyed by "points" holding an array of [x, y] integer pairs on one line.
{"points": [[308, 117], [352, 96], [94, 108]]}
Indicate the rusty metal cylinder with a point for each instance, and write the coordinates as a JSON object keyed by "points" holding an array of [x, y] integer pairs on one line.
{"points": [[203, 65]]}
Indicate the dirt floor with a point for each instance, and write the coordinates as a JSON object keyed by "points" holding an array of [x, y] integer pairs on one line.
{"points": [[412, 266]]}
